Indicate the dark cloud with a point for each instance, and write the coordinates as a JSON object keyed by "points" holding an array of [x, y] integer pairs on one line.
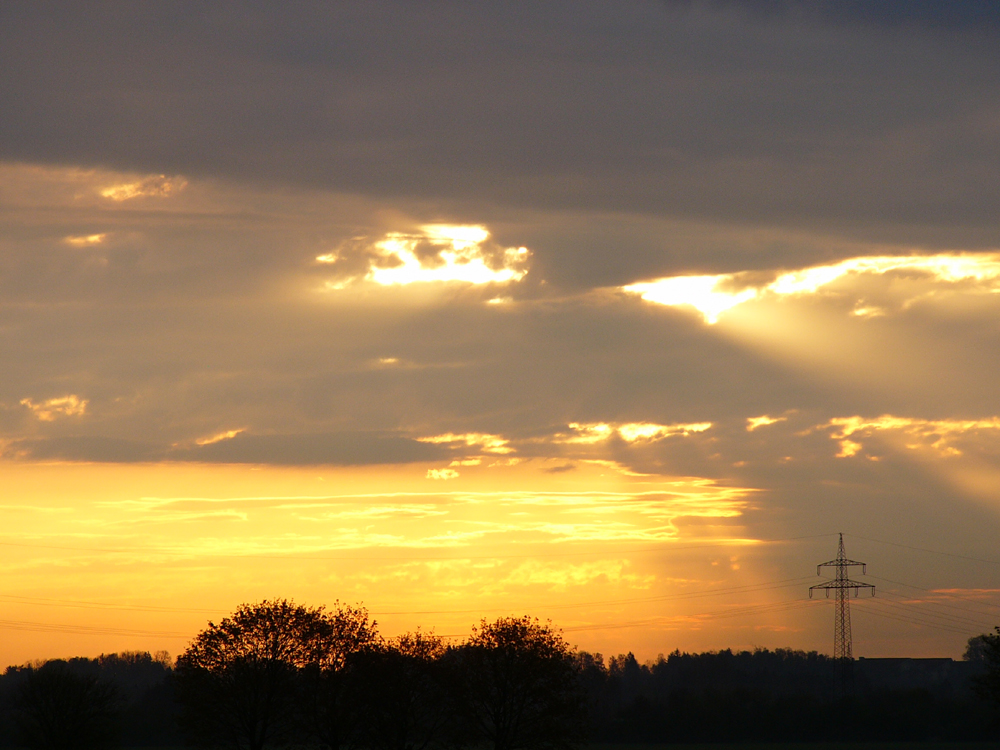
{"points": [[340, 449], [344, 449], [84, 448], [962, 14], [691, 109]]}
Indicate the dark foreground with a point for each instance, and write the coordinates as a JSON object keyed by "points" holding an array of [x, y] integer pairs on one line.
{"points": [[763, 699]]}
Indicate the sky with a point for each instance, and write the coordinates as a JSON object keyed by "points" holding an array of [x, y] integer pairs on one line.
{"points": [[610, 313]]}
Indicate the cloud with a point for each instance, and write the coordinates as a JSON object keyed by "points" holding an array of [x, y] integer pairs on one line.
{"points": [[341, 449], [85, 240], [560, 576], [443, 474], [754, 423], [219, 436], [712, 296], [153, 186], [505, 119], [330, 449], [630, 432], [495, 444], [938, 435], [436, 253], [54, 408], [82, 449]]}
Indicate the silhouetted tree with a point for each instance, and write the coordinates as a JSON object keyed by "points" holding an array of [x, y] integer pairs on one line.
{"points": [[988, 649], [515, 684], [56, 708], [238, 680], [975, 649], [328, 680], [400, 694]]}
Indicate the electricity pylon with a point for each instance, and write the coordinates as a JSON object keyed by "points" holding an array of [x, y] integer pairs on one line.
{"points": [[841, 584]]}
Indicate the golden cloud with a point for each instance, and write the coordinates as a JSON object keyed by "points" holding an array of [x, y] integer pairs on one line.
{"points": [[630, 432], [485, 442], [712, 296], [762, 421], [437, 253], [938, 435], [156, 186], [53, 408], [219, 437], [85, 240]]}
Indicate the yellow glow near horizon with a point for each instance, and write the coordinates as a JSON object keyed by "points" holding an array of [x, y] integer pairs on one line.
{"points": [[714, 295], [162, 548]]}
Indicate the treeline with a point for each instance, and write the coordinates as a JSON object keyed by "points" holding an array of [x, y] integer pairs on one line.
{"points": [[277, 673], [781, 696]]}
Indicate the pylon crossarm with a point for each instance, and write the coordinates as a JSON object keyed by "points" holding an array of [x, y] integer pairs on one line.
{"points": [[843, 583], [841, 563]]}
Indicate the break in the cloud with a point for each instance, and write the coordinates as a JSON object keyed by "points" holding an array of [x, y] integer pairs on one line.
{"points": [[938, 435], [53, 408], [437, 253], [922, 275], [629, 432], [154, 186]]}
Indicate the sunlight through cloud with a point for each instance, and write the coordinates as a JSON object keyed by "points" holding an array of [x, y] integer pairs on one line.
{"points": [[485, 442], [219, 437], [938, 435], [438, 253], [712, 296], [762, 421], [85, 240], [53, 408], [630, 432], [157, 186]]}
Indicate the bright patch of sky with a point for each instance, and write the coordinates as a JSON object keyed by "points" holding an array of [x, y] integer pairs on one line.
{"points": [[486, 443], [937, 434], [439, 253], [630, 432], [158, 186], [62, 406], [714, 295]]}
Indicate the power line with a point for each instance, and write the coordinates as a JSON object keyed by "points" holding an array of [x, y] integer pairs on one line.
{"points": [[925, 612], [912, 620], [78, 604], [935, 591], [45, 627], [923, 549]]}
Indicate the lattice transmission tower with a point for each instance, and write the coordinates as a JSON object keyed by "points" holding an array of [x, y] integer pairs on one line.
{"points": [[841, 585]]}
